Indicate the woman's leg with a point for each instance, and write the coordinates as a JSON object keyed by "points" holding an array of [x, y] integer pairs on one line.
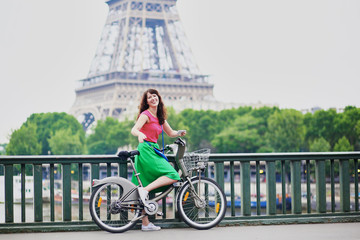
{"points": [[161, 181], [145, 220]]}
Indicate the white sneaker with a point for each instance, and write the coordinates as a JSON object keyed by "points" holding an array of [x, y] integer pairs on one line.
{"points": [[144, 194], [150, 227]]}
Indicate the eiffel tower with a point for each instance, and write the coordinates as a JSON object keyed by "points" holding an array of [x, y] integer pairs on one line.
{"points": [[143, 45]]}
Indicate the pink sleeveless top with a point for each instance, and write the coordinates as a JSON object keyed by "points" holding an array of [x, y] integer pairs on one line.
{"points": [[152, 129]]}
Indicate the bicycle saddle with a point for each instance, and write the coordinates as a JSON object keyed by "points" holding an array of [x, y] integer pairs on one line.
{"points": [[126, 154]]}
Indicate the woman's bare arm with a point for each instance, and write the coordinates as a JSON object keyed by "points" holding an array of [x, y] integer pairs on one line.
{"points": [[138, 125], [172, 133]]}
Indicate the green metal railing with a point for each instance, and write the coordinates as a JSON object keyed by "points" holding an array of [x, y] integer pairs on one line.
{"points": [[282, 177]]}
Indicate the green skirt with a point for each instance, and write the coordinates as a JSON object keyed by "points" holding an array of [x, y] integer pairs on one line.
{"points": [[151, 166]]}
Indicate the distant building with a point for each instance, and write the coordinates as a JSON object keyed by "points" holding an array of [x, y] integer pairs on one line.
{"points": [[143, 45]]}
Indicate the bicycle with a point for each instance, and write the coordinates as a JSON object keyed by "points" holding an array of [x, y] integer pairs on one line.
{"points": [[115, 205]]}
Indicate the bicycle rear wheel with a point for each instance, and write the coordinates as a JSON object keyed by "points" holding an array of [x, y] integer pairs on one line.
{"points": [[206, 212], [109, 213]]}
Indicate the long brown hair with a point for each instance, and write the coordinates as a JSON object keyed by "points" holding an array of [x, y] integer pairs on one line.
{"points": [[161, 109]]}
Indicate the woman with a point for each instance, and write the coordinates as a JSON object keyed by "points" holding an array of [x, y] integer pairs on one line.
{"points": [[155, 171]]}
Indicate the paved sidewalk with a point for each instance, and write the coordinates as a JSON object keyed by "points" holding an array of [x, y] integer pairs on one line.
{"points": [[333, 231]]}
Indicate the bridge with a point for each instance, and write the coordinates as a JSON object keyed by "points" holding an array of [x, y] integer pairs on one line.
{"points": [[274, 188]]}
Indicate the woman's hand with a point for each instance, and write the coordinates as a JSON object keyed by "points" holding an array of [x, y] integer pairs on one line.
{"points": [[181, 133], [141, 137], [138, 125]]}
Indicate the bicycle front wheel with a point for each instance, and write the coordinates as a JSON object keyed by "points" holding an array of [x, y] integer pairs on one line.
{"points": [[204, 205], [108, 212]]}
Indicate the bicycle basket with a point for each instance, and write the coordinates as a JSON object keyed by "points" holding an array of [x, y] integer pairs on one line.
{"points": [[197, 159]]}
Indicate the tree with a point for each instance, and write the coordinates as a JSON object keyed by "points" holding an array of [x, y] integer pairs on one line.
{"points": [[286, 130], [176, 122], [263, 114], [24, 141], [233, 141], [343, 145], [63, 142], [243, 135], [3, 149], [201, 126], [128, 139], [38, 129], [357, 141], [346, 125], [109, 135], [321, 124], [320, 145]]}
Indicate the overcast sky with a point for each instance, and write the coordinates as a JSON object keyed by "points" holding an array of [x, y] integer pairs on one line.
{"points": [[296, 54]]}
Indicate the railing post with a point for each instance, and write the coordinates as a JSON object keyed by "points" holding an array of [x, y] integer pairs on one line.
{"points": [[38, 203], [219, 174], [66, 192], [308, 187], [9, 193], [245, 188], [344, 186], [332, 183], [270, 188], [320, 186], [283, 184], [258, 207], [95, 168], [52, 193], [232, 188], [356, 173], [123, 170], [80, 179], [23, 189], [295, 167]]}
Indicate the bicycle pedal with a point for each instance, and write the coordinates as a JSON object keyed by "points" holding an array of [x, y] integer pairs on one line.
{"points": [[159, 213]]}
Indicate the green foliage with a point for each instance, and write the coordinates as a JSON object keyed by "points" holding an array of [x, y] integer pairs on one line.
{"points": [[347, 125], [320, 145], [333, 126], [3, 149], [201, 127], [230, 140], [343, 145], [321, 125], [241, 136], [109, 135], [286, 130], [243, 129], [24, 141], [231, 130], [176, 122], [266, 129], [63, 142], [33, 136]]}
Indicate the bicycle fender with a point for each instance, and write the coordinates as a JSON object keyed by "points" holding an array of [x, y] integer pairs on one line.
{"points": [[123, 182]]}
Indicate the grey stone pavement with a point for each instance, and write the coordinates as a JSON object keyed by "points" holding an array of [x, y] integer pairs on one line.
{"points": [[336, 231]]}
